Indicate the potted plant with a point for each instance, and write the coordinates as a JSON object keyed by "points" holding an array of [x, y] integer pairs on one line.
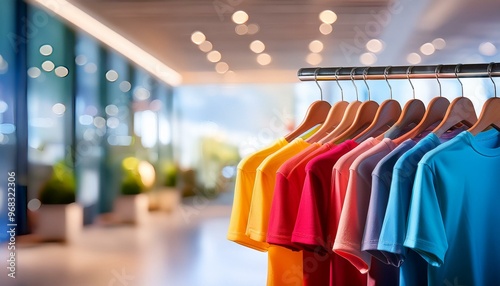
{"points": [[131, 206], [168, 194], [59, 218]]}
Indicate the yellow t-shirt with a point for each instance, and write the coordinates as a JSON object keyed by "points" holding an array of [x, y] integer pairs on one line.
{"points": [[285, 266], [245, 178]]}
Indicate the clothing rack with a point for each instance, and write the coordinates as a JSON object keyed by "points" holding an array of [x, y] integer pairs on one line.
{"points": [[400, 72]]}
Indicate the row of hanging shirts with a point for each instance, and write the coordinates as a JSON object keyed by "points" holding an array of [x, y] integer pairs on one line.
{"points": [[378, 195]]}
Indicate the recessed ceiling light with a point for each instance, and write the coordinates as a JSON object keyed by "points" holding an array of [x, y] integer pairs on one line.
{"points": [[427, 49], [81, 60], [214, 56], [112, 75], [34, 72], [325, 29], [414, 58], [58, 108], [206, 46], [368, 59], [328, 17], [257, 46], [221, 67], [46, 50], [487, 49], [314, 59], [240, 17], [241, 29], [48, 66], [253, 29], [125, 86], [61, 71], [439, 43], [374, 46], [264, 59], [316, 46], [198, 37]]}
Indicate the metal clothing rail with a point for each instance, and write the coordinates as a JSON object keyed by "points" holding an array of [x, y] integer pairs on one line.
{"points": [[399, 72]]}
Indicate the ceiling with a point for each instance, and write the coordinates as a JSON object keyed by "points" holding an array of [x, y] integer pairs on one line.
{"points": [[164, 27]]}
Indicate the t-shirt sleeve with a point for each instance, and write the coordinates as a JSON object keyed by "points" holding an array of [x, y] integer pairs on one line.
{"points": [[349, 234], [257, 225], [280, 220], [309, 231], [426, 233], [240, 212]]}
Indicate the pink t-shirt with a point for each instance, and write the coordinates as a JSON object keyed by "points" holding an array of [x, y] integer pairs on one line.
{"points": [[353, 217], [312, 223]]}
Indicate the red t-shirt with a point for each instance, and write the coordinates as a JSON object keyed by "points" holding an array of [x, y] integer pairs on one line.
{"points": [[311, 231], [287, 192]]}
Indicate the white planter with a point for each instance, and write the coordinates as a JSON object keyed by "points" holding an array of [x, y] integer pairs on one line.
{"points": [[131, 208], [59, 222], [168, 199]]}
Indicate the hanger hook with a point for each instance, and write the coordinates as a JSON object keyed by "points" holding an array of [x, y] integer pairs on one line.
{"points": [[365, 72], [490, 66], [386, 72], [355, 87], [457, 70], [436, 72], [338, 83], [317, 83], [408, 71]]}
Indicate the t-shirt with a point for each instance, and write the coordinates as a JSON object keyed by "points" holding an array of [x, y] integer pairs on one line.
{"points": [[288, 189], [280, 260], [381, 184], [453, 218], [312, 224], [245, 178], [393, 231], [353, 217]]}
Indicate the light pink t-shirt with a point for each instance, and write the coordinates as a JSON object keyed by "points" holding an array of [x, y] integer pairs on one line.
{"points": [[357, 198]]}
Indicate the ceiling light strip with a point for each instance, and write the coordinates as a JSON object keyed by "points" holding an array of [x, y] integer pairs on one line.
{"points": [[107, 36]]}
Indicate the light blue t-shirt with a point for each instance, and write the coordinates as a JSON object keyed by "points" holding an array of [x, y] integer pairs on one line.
{"points": [[454, 217], [393, 232]]}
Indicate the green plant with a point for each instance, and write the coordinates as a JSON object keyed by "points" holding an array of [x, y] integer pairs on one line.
{"points": [[131, 186], [61, 187], [170, 175], [132, 181]]}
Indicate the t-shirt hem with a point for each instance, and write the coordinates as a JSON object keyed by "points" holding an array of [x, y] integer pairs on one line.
{"points": [[242, 239], [257, 236], [353, 255], [428, 250]]}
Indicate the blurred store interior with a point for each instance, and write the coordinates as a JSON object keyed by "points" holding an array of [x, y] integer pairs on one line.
{"points": [[103, 97]]}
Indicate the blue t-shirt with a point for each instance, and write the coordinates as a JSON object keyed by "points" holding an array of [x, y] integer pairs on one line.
{"points": [[381, 184], [393, 231], [454, 218]]}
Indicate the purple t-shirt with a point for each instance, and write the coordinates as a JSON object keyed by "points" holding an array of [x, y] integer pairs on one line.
{"points": [[381, 184]]}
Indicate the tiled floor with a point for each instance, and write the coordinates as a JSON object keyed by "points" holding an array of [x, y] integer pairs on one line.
{"points": [[188, 247]]}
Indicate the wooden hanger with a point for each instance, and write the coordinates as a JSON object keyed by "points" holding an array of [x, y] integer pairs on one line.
{"points": [[490, 113], [387, 114], [335, 117], [435, 113], [461, 110], [316, 114], [364, 115], [412, 114]]}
